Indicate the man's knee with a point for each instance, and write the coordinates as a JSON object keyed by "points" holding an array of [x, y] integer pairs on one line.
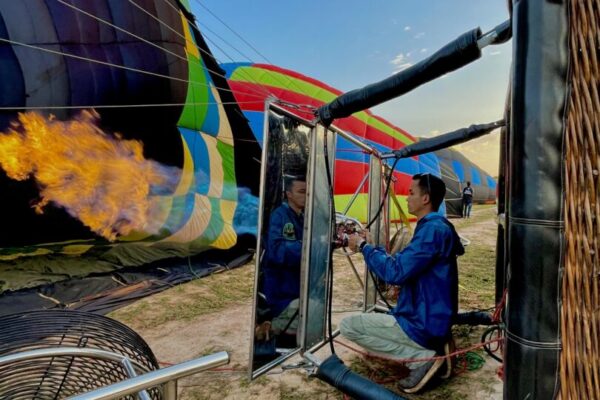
{"points": [[347, 327], [344, 326]]}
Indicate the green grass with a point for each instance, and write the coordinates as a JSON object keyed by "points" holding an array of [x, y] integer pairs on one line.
{"points": [[199, 297], [477, 276], [480, 213]]}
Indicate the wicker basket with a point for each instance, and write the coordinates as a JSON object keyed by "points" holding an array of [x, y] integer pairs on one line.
{"points": [[580, 314]]}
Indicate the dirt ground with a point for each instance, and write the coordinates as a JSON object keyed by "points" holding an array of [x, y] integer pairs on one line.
{"points": [[213, 314]]}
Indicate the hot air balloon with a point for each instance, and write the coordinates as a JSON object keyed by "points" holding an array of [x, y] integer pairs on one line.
{"points": [[247, 79], [135, 79], [457, 170], [140, 76]]}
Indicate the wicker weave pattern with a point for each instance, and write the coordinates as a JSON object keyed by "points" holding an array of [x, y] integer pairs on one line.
{"points": [[580, 314]]}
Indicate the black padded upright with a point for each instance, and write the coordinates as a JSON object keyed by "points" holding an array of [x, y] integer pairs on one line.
{"points": [[535, 198]]}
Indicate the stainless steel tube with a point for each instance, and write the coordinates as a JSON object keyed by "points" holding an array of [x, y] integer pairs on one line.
{"points": [[155, 378]]}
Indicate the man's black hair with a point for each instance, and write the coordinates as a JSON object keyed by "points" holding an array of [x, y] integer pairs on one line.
{"points": [[468, 183], [288, 181], [433, 186]]}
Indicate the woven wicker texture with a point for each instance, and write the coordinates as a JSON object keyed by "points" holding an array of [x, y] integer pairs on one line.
{"points": [[580, 314], [64, 376]]}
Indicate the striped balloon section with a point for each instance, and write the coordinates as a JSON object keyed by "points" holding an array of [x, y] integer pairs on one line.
{"points": [[249, 80]]}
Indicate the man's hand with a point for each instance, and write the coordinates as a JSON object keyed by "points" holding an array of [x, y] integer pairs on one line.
{"points": [[262, 331], [354, 242]]}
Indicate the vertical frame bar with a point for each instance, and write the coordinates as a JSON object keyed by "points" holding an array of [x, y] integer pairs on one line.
{"points": [[170, 390], [259, 245], [375, 197], [317, 241], [270, 110]]}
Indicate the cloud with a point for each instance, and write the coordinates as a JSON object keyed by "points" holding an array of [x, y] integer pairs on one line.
{"points": [[374, 54], [430, 134], [484, 152], [400, 62], [407, 28], [419, 35], [423, 50]]}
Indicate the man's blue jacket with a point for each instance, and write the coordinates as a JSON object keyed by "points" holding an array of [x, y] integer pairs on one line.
{"points": [[281, 262], [427, 271]]}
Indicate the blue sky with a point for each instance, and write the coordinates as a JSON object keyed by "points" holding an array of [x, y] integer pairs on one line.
{"points": [[349, 44]]}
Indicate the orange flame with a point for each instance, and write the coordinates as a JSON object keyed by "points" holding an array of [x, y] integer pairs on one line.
{"points": [[101, 179]]}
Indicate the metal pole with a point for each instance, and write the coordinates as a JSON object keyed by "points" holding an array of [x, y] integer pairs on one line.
{"points": [[362, 285], [155, 378], [355, 195], [351, 138], [170, 390], [143, 395], [499, 34], [312, 358], [67, 351], [323, 343]]}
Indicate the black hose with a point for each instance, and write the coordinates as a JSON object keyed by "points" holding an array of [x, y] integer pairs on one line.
{"points": [[473, 318], [447, 139], [332, 224], [486, 336], [456, 54], [387, 190], [334, 372]]}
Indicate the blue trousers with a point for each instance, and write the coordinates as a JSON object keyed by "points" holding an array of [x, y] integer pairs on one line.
{"points": [[467, 209]]}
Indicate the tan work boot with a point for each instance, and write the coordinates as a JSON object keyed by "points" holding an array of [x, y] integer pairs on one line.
{"points": [[449, 362], [419, 376]]}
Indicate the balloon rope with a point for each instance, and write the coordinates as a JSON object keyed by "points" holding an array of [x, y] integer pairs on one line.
{"points": [[265, 89], [71, 107], [105, 22], [290, 82], [141, 71]]}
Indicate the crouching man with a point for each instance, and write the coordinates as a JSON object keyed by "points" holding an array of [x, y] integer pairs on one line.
{"points": [[426, 270]]}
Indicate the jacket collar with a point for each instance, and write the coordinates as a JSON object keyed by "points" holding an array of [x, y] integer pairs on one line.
{"points": [[430, 216]]}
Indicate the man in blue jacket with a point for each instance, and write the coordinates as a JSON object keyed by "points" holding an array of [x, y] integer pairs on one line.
{"points": [[281, 268], [427, 272]]}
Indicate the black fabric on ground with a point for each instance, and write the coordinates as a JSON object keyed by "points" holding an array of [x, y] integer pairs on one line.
{"points": [[102, 293]]}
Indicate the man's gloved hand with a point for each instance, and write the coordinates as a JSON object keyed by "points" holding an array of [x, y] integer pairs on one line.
{"points": [[262, 331], [354, 241], [323, 115]]}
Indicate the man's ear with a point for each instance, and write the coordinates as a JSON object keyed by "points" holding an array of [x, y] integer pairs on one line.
{"points": [[426, 199]]}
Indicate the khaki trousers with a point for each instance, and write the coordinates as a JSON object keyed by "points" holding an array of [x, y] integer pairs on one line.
{"points": [[381, 334]]}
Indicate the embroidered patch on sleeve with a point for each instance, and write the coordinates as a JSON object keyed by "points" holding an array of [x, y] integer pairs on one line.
{"points": [[288, 231]]}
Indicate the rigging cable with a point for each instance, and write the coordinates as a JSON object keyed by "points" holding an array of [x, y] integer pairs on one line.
{"points": [[106, 63], [143, 105], [375, 218], [332, 224], [291, 82], [103, 21], [200, 49]]}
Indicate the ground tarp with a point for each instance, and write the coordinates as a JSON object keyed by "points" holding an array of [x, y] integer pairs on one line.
{"points": [[102, 292]]}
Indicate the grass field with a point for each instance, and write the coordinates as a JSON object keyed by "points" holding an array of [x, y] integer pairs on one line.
{"points": [[213, 314]]}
